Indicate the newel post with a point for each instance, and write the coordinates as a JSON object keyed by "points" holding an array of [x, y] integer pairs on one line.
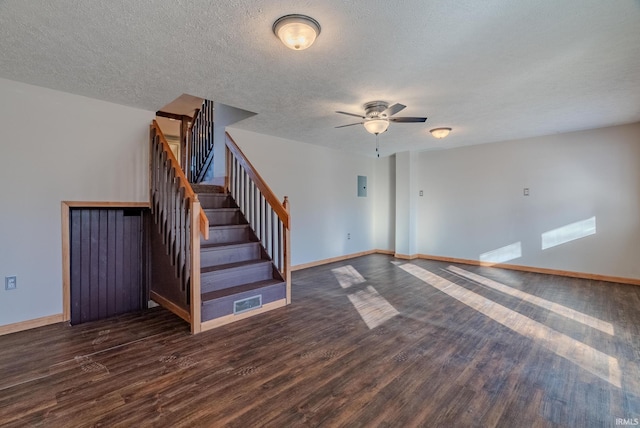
{"points": [[287, 249]]}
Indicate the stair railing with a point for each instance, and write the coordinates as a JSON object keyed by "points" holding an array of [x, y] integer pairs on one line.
{"points": [[268, 217], [180, 220], [200, 150]]}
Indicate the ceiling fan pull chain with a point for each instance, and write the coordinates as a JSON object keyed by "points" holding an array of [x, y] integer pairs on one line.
{"points": [[377, 145]]}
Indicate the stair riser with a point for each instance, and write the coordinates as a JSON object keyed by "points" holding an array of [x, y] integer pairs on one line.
{"points": [[213, 200], [218, 280], [222, 236], [222, 256], [224, 217], [224, 306]]}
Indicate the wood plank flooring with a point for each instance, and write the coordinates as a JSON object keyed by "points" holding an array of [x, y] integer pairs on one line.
{"points": [[368, 342]]}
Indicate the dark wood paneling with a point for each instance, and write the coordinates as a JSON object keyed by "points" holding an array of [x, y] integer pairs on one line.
{"points": [[107, 262]]}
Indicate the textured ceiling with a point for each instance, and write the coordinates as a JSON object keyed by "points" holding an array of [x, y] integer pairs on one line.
{"points": [[492, 70]]}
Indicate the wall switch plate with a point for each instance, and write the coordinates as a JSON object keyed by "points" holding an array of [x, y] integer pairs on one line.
{"points": [[10, 282]]}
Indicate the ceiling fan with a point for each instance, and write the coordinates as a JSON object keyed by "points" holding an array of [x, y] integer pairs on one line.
{"points": [[377, 116]]}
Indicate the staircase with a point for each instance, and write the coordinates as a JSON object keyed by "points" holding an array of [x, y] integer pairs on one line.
{"points": [[218, 254], [237, 275]]}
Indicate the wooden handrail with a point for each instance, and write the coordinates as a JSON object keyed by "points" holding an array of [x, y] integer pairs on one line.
{"points": [[269, 195], [196, 113], [188, 191], [269, 218], [180, 222]]}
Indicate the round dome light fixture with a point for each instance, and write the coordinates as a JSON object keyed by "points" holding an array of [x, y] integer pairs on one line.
{"points": [[440, 132], [376, 126], [297, 32]]}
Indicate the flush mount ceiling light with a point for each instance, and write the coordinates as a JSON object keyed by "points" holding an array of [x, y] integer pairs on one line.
{"points": [[296, 31], [440, 132], [376, 126]]}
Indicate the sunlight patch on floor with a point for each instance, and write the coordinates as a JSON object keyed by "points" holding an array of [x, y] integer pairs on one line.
{"points": [[372, 307], [347, 276], [557, 308], [590, 359]]}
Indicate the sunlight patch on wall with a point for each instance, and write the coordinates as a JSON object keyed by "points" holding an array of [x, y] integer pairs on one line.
{"points": [[557, 308], [347, 276], [590, 359], [372, 307], [568, 233], [503, 254]]}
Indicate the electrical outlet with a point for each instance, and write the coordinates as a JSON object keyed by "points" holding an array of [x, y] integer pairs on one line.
{"points": [[526, 191], [10, 282], [422, 193], [348, 236]]}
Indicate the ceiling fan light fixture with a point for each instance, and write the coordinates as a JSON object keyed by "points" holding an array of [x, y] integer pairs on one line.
{"points": [[440, 132], [297, 32], [376, 126]]}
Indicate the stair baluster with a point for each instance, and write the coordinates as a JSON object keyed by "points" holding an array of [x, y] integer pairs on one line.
{"points": [[200, 150], [176, 211], [269, 218]]}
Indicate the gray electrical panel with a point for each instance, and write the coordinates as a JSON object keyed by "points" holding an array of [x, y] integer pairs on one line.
{"points": [[362, 186]]}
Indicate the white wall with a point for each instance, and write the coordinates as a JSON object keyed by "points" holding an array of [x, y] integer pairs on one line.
{"points": [[473, 200], [384, 194], [57, 146], [224, 116], [321, 184], [406, 211]]}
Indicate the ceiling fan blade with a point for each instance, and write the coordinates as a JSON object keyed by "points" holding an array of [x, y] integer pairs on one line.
{"points": [[351, 114], [351, 124], [408, 119], [397, 107]]}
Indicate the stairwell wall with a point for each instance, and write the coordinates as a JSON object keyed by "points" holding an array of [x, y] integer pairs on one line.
{"points": [[58, 147], [321, 184]]}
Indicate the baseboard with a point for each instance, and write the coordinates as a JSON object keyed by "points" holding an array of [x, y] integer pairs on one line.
{"points": [[29, 324], [168, 304], [571, 274], [333, 260], [387, 252], [405, 256]]}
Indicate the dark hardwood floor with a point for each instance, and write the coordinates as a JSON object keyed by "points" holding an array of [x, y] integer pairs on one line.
{"points": [[369, 342]]}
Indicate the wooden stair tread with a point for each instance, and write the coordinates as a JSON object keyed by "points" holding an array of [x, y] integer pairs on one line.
{"points": [[229, 209], [212, 295], [228, 226], [219, 245], [208, 188], [235, 265]]}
